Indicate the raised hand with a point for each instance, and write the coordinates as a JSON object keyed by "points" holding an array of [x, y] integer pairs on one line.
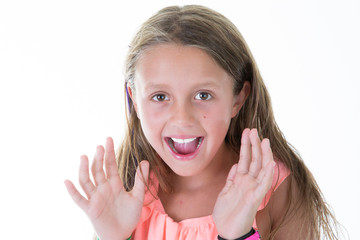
{"points": [[112, 210], [247, 183]]}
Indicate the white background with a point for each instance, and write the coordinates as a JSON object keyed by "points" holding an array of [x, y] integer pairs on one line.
{"points": [[61, 87]]}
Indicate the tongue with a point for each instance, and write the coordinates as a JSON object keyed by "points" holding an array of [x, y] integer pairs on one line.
{"points": [[186, 148]]}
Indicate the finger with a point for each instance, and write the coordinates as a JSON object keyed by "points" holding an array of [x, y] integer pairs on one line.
{"points": [[84, 178], [267, 155], [245, 152], [97, 167], [110, 161], [266, 180], [76, 196], [230, 179], [256, 153], [139, 185]]}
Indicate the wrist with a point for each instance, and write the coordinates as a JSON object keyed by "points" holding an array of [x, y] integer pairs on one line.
{"points": [[251, 235], [121, 238], [97, 238]]}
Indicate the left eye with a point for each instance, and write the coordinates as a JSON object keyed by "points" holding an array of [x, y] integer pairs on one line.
{"points": [[203, 96]]}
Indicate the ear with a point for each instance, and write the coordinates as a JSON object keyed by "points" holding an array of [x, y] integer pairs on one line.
{"points": [[240, 98], [132, 96]]}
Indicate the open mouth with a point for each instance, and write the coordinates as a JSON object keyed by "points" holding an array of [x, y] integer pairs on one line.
{"points": [[186, 146]]}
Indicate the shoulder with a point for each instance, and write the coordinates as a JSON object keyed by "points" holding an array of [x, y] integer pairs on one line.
{"points": [[281, 173], [287, 214], [281, 198], [282, 213]]}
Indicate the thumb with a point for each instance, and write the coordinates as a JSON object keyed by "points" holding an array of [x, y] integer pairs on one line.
{"points": [[141, 178]]}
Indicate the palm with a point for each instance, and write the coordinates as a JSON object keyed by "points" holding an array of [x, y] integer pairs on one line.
{"points": [[113, 211], [246, 185]]}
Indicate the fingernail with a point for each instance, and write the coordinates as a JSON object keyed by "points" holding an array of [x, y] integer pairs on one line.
{"points": [[98, 149], [268, 142]]}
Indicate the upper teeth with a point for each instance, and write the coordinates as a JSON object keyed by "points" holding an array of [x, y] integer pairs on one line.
{"points": [[187, 140]]}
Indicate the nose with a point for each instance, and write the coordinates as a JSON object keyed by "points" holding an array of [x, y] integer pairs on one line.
{"points": [[183, 114]]}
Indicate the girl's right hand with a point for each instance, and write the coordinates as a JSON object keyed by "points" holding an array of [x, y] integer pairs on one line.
{"points": [[112, 210]]}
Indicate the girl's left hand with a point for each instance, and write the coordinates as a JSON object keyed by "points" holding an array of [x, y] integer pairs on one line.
{"points": [[246, 185]]}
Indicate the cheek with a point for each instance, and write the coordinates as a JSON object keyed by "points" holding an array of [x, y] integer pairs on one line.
{"points": [[151, 122], [217, 120], [217, 114]]}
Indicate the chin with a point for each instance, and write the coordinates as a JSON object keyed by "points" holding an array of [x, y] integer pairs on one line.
{"points": [[186, 171]]}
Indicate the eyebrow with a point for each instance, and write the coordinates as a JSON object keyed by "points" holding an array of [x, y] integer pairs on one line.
{"points": [[152, 86], [211, 84], [206, 84]]}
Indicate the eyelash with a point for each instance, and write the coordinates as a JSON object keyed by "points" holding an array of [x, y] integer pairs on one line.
{"points": [[156, 97], [197, 97], [209, 96]]}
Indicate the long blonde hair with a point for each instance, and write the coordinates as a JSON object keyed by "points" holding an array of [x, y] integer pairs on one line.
{"points": [[210, 31]]}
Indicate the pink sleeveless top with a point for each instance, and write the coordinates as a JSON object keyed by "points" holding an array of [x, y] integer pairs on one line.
{"points": [[156, 224]]}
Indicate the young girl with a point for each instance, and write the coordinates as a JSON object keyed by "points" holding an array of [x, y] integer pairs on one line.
{"points": [[196, 162]]}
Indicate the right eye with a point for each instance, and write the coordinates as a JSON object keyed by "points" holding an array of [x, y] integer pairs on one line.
{"points": [[160, 98]]}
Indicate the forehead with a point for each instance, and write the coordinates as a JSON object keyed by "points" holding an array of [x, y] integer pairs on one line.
{"points": [[167, 62]]}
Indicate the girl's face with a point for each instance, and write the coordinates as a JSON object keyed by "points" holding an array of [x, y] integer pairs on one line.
{"points": [[185, 102]]}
